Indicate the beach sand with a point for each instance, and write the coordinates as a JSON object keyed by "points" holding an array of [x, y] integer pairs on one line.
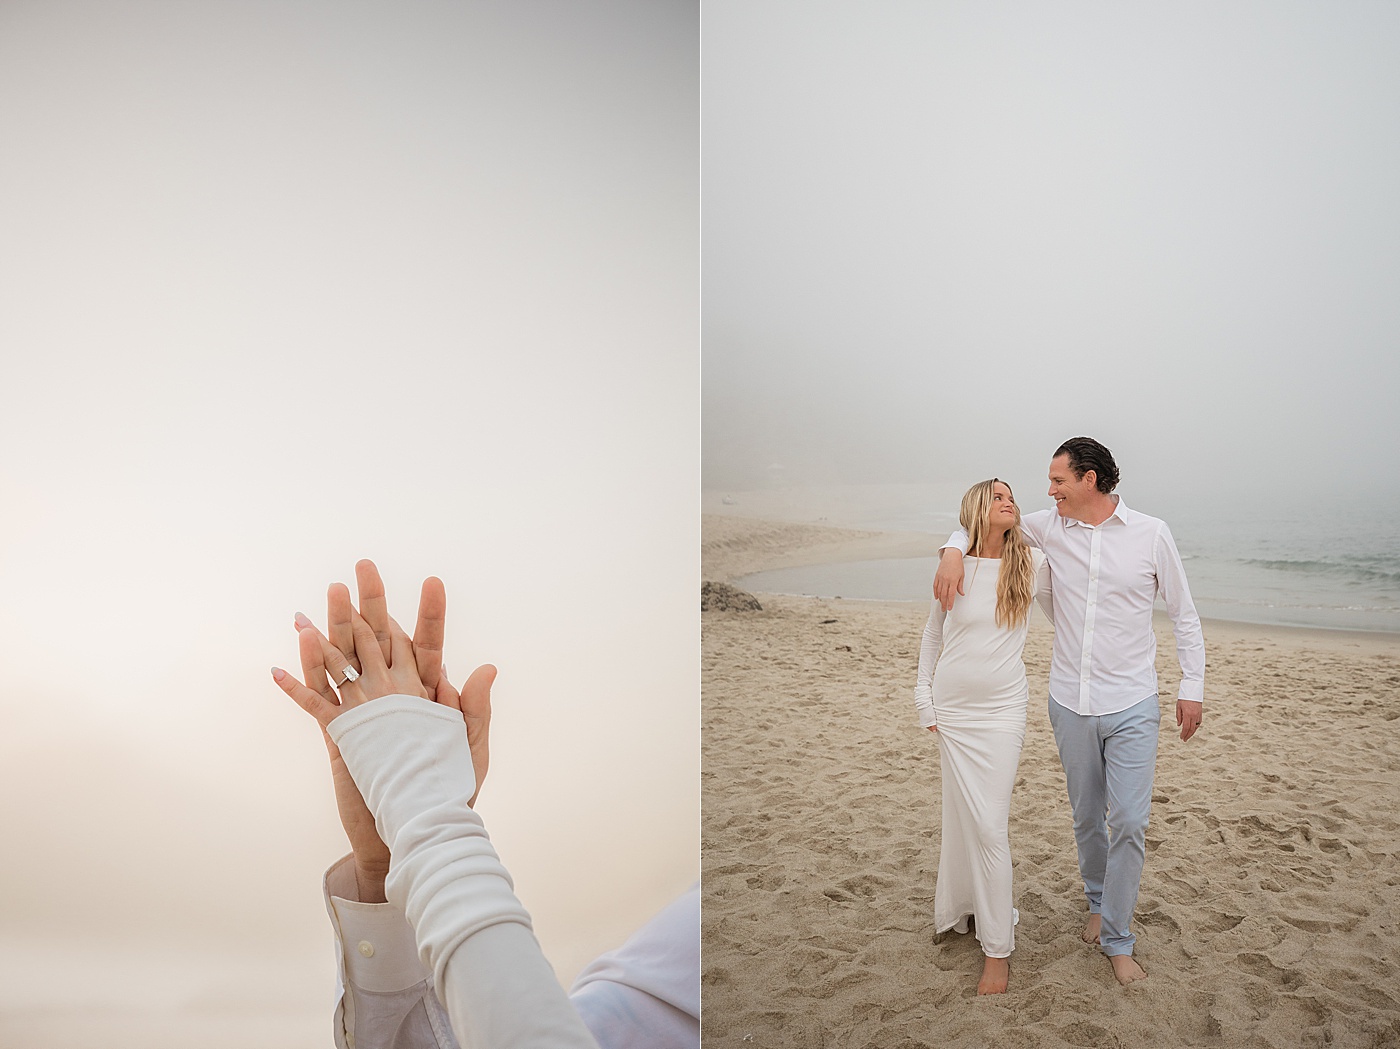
{"points": [[1269, 912]]}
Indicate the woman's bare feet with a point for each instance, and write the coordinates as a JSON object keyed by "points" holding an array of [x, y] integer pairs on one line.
{"points": [[1127, 970], [996, 973], [1091, 931]]}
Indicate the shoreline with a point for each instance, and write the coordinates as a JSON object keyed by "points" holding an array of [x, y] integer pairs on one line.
{"points": [[735, 546]]}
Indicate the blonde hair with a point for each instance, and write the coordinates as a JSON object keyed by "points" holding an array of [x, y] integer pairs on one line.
{"points": [[1016, 584]]}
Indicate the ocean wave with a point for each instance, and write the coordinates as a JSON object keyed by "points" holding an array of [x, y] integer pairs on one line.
{"points": [[1293, 606], [1367, 569]]}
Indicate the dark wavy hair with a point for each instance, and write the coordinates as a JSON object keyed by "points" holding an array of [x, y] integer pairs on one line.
{"points": [[1087, 454]]}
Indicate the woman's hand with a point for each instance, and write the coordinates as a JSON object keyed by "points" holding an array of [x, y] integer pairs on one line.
{"points": [[473, 701], [396, 675], [323, 663], [371, 855], [933, 728]]}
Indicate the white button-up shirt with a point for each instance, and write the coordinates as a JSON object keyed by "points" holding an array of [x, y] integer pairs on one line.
{"points": [[1105, 579]]}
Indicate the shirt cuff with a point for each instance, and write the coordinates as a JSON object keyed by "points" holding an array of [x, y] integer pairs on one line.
{"points": [[1191, 691], [376, 941], [958, 541]]}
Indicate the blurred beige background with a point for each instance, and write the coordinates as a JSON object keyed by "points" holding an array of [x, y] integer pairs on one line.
{"points": [[286, 285]]}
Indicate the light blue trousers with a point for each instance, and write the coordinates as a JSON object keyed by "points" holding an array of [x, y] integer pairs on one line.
{"points": [[1109, 760]]}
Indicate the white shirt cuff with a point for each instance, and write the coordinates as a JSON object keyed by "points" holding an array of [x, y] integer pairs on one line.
{"points": [[376, 941]]}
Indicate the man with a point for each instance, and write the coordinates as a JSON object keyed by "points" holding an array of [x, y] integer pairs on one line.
{"points": [[1108, 564]]}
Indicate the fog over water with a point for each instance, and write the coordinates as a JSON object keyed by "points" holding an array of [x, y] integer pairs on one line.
{"points": [[941, 238]]}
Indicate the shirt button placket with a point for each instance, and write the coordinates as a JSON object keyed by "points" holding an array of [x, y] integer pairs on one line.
{"points": [[1090, 606]]}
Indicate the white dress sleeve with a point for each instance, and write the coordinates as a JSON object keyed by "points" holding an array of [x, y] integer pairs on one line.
{"points": [[929, 648], [410, 759]]}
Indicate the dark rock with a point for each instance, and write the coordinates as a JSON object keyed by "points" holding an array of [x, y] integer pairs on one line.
{"points": [[721, 597]]}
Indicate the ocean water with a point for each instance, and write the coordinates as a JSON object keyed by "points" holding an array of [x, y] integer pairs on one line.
{"points": [[1321, 564]]}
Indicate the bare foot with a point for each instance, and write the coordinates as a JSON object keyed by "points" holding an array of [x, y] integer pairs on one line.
{"points": [[996, 972], [1127, 970], [1091, 931]]}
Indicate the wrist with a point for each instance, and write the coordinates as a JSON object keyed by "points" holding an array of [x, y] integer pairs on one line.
{"points": [[369, 883]]}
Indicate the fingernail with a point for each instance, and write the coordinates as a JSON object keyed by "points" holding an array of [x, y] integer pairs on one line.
{"points": [[278, 673], [301, 621]]}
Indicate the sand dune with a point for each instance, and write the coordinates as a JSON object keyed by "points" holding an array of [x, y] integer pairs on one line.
{"points": [[1270, 906]]}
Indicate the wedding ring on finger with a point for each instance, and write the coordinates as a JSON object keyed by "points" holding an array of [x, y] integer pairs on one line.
{"points": [[351, 674]]}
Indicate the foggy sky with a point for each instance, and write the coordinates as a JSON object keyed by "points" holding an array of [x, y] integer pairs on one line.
{"points": [[941, 238]]}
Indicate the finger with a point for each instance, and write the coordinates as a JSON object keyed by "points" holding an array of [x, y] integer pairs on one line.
{"points": [[336, 663], [476, 693], [338, 613], [313, 664], [476, 712], [429, 632], [445, 694], [960, 589], [400, 647], [367, 645], [373, 608], [307, 699]]}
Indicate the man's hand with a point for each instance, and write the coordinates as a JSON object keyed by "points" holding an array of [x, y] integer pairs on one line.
{"points": [[1188, 716], [933, 728], [949, 578], [371, 855]]}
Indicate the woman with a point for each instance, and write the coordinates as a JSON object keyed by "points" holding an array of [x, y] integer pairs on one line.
{"points": [[972, 693]]}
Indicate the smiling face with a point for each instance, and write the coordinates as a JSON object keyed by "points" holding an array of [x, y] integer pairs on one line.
{"points": [[1073, 495], [1002, 514]]}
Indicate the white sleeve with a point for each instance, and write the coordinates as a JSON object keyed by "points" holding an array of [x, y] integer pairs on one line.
{"points": [[386, 998], [646, 994], [1044, 585], [958, 541], [410, 759], [1186, 624], [1034, 524], [929, 648]]}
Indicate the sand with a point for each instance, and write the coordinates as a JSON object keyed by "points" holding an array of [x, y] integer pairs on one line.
{"points": [[1269, 912]]}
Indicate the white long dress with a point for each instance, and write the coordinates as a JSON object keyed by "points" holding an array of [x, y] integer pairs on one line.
{"points": [[972, 685]]}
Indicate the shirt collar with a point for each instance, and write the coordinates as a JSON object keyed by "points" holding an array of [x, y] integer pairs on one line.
{"points": [[1120, 511]]}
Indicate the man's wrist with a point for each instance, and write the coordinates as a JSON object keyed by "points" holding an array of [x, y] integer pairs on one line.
{"points": [[369, 883]]}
